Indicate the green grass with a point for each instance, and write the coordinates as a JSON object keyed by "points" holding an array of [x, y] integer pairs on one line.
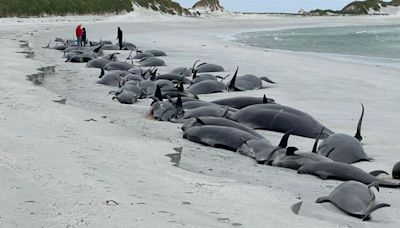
{"points": [[362, 7], [25, 8], [358, 7], [165, 6]]}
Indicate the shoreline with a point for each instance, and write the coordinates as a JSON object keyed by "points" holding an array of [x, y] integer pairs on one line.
{"points": [[372, 60], [78, 165]]}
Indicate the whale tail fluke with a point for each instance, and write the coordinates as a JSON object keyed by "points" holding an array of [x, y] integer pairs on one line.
{"points": [[367, 214]]}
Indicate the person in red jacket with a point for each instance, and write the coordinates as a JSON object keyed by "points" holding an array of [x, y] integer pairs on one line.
{"points": [[78, 33]]}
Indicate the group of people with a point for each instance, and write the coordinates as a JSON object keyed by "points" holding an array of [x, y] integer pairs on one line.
{"points": [[80, 33], [81, 38]]}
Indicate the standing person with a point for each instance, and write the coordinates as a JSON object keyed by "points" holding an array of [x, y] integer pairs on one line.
{"points": [[78, 33], [83, 36], [119, 37]]}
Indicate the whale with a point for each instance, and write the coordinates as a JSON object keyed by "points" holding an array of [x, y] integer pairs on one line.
{"points": [[343, 171], [280, 118], [354, 198]]}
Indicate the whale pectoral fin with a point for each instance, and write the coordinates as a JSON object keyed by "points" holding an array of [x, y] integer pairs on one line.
{"points": [[322, 199], [265, 79], [374, 184], [378, 172], [322, 174], [367, 214], [179, 112]]}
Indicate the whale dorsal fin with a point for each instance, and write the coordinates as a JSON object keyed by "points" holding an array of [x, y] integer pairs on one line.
{"points": [[201, 64], [96, 50], [314, 149], [158, 93], [153, 75], [179, 107], [180, 87], [265, 100], [194, 65], [290, 150], [101, 73], [231, 85], [194, 74], [285, 138], [358, 134]]}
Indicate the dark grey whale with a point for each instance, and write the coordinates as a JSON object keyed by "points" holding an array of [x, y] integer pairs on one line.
{"points": [[294, 160], [354, 198], [396, 171], [218, 121], [156, 53], [207, 87], [218, 136], [242, 102], [343, 171], [246, 82], [262, 150], [209, 68], [344, 148], [275, 117], [127, 97]]}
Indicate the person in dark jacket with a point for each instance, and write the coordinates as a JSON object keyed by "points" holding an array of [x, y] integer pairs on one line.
{"points": [[83, 37], [119, 37]]}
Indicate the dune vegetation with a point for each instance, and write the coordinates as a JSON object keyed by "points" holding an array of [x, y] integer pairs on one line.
{"points": [[26, 8]]}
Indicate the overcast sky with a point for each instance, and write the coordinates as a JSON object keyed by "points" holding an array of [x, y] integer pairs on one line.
{"points": [[290, 6]]}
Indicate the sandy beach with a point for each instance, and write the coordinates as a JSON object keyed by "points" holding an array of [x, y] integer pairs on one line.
{"points": [[93, 162]]}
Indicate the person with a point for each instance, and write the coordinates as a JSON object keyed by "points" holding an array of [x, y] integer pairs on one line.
{"points": [[78, 33], [119, 37], [83, 37]]}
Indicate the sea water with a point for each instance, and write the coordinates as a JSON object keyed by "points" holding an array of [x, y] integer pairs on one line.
{"points": [[382, 41]]}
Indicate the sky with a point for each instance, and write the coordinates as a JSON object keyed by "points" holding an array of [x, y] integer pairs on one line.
{"points": [[287, 6]]}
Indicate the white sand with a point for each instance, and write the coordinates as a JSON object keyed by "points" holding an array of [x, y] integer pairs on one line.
{"points": [[58, 170]]}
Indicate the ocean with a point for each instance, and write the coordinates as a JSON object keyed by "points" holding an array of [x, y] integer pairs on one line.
{"points": [[382, 41]]}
